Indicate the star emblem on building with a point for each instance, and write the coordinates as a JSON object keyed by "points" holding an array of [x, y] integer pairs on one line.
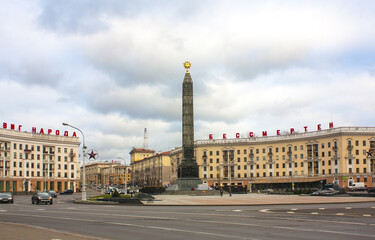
{"points": [[92, 154]]}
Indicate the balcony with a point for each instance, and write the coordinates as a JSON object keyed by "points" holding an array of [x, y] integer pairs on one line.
{"points": [[349, 156], [4, 149]]}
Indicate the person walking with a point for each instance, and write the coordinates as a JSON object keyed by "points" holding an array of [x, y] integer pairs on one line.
{"points": [[230, 192], [221, 192]]}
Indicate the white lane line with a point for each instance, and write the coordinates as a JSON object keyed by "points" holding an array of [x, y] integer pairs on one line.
{"points": [[290, 212], [2, 210], [237, 210], [294, 209], [367, 215], [285, 228], [322, 208], [348, 208], [264, 211], [141, 226], [204, 214], [314, 213], [339, 214]]}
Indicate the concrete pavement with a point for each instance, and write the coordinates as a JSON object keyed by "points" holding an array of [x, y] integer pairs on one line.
{"points": [[249, 199]]}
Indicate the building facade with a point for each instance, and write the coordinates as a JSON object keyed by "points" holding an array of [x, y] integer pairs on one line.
{"points": [[32, 161], [152, 171], [310, 159]]}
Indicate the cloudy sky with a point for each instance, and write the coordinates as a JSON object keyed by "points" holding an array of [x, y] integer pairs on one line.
{"points": [[115, 67]]}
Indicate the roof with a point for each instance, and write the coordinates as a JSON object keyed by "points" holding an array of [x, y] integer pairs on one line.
{"points": [[141, 150]]}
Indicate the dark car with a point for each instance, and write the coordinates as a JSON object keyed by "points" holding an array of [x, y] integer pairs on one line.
{"points": [[6, 197], [67, 192], [371, 190], [41, 197], [52, 193]]}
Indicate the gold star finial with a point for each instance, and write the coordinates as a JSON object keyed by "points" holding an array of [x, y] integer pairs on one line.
{"points": [[187, 65]]}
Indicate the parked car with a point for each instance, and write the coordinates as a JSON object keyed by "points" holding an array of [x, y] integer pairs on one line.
{"points": [[371, 190], [41, 197], [52, 193], [268, 190], [6, 197], [325, 192], [67, 192]]}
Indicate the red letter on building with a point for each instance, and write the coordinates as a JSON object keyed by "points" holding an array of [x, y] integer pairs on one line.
{"points": [[49, 131], [12, 127], [305, 127], [319, 127], [5, 125], [291, 130], [224, 136], [209, 136], [57, 132], [237, 135], [41, 131], [331, 125], [33, 130], [66, 133], [19, 127], [251, 134], [277, 132], [74, 134], [264, 133]]}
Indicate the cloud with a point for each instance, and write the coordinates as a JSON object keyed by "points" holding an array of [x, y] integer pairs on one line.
{"points": [[115, 68]]}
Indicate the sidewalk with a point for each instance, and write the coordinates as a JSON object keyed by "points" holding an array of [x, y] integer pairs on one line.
{"points": [[248, 199], [11, 231]]}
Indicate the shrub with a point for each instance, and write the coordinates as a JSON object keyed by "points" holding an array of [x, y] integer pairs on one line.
{"points": [[116, 194]]}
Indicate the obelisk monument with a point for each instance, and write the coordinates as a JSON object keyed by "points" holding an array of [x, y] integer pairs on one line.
{"points": [[188, 171]]}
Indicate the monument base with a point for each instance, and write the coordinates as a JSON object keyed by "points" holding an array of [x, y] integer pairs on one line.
{"points": [[186, 184]]}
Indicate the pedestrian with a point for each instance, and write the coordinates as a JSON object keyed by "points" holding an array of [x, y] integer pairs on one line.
{"points": [[221, 192], [230, 192]]}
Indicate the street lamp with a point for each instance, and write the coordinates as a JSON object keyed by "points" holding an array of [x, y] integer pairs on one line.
{"points": [[83, 164]]}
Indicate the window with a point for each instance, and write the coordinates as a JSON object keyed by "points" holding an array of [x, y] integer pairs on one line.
{"points": [[357, 152], [364, 143], [364, 161], [20, 173], [217, 160], [211, 160], [264, 150], [20, 146], [301, 147], [245, 159], [295, 148], [264, 174], [322, 154], [301, 155], [245, 167], [277, 165], [364, 170], [238, 159], [301, 164], [14, 165], [217, 153], [277, 150], [323, 163], [204, 168], [66, 167], [244, 151], [72, 175], [38, 148], [210, 153], [238, 151], [322, 145], [257, 151], [283, 149], [357, 143], [14, 146], [357, 161]]}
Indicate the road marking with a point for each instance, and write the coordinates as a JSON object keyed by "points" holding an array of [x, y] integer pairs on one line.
{"points": [[290, 212], [367, 215], [314, 213], [2, 210], [339, 214], [322, 208], [294, 209], [285, 228], [348, 208], [237, 210], [264, 211]]}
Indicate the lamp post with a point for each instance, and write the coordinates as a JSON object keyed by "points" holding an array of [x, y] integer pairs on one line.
{"points": [[83, 163]]}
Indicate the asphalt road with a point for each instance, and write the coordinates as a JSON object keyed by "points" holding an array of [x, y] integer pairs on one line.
{"points": [[322, 221]]}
